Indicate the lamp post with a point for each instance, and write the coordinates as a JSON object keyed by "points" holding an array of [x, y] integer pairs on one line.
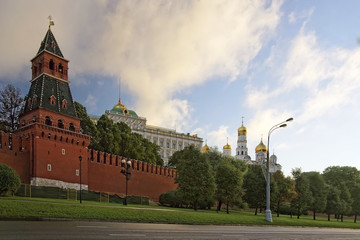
{"points": [[80, 158], [268, 216], [126, 170]]}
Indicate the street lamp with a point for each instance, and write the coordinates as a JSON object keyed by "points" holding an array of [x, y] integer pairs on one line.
{"points": [[126, 170], [268, 216], [80, 158]]}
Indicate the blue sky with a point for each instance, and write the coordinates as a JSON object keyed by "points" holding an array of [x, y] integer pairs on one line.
{"points": [[200, 66]]}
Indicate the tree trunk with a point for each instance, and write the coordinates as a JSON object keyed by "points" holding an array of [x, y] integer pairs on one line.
{"points": [[298, 213], [195, 205], [227, 208], [255, 211], [278, 209], [219, 206], [355, 218], [314, 215], [342, 217]]}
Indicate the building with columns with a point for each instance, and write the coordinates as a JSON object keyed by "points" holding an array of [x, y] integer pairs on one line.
{"points": [[169, 140]]}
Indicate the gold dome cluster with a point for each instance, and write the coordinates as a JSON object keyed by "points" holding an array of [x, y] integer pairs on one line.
{"points": [[227, 146]]}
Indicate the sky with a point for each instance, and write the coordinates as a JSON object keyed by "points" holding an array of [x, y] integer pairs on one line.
{"points": [[204, 66]]}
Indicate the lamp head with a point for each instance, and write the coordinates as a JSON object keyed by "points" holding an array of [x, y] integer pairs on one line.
{"points": [[122, 161], [128, 163], [282, 125], [80, 158], [289, 119]]}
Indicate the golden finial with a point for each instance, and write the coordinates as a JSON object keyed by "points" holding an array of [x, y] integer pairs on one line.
{"points": [[51, 22]]}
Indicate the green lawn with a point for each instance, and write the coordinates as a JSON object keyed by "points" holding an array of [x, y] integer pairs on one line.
{"points": [[37, 208]]}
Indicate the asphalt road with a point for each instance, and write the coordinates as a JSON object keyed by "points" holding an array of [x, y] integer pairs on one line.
{"points": [[110, 230]]}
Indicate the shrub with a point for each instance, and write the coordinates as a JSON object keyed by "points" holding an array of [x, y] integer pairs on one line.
{"points": [[172, 198], [9, 180]]}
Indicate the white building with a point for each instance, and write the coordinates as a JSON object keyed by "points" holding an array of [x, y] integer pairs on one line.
{"points": [[169, 140]]}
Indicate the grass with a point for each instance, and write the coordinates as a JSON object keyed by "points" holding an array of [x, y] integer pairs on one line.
{"points": [[39, 208]]}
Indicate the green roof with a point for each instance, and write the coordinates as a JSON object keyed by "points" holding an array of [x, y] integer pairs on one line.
{"points": [[49, 44], [122, 110], [45, 87]]}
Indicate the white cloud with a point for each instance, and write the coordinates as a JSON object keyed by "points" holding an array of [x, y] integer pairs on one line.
{"points": [[157, 48]]}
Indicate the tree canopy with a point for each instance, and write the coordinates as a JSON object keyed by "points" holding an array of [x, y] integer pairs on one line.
{"points": [[195, 176]]}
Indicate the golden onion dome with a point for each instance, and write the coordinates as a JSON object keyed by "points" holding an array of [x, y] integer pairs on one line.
{"points": [[242, 129], [261, 147], [205, 148], [227, 146]]}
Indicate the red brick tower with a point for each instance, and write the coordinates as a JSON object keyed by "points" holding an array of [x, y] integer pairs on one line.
{"points": [[49, 124]]}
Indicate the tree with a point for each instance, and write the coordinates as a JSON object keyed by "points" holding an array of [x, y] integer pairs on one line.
{"points": [[10, 106], [9, 180], [345, 179], [318, 192], [228, 180], [195, 177], [255, 187], [302, 187], [332, 201], [86, 125], [356, 202], [284, 189]]}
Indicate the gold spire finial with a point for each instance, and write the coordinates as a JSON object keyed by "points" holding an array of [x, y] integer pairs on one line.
{"points": [[51, 22]]}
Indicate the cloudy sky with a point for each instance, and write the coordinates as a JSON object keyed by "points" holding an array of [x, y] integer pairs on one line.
{"points": [[200, 66]]}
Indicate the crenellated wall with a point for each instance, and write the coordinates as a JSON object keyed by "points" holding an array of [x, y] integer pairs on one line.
{"points": [[48, 156], [146, 179]]}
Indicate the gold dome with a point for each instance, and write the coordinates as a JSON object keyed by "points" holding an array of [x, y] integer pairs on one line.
{"points": [[242, 129], [205, 148], [227, 146], [261, 147]]}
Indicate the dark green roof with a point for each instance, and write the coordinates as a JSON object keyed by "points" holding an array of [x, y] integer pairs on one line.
{"points": [[45, 87], [123, 111], [49, 44]]}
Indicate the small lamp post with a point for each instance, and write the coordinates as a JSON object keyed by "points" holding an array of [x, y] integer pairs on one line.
{"points": [[126, 170], [80, 158], [268, 216]]}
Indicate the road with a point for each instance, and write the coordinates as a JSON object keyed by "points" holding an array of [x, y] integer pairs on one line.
{"points": [[14, 230]]}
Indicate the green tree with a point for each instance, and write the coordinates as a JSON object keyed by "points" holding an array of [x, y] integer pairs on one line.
{"points": [[86, 125], [345, 179], [318, 192], [10, 107], [195, 177], [303, 194], [9, 180], [332, 201], [255, 187], [228, 180], [284, 189], [356, 202]]}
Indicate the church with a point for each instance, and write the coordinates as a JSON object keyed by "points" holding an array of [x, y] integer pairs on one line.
{"points": [[242, 151]]}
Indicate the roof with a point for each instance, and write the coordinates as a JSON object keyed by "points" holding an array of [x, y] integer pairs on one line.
{"points": [[45, 87], [121, 109], [49, 44]]}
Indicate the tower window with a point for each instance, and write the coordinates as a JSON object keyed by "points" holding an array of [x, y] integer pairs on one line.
{"points": [[64, 104], [52, 100], [34, 99], [71, 127], [61, 68], [48, 120], [60, 124], [51, 65]]}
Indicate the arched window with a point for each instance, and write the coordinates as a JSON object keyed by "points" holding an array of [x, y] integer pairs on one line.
{"points": [[60, 124], [51, 65], [48, 120], [61, 68], [52, 100], [71, 127], [64, 104]]}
